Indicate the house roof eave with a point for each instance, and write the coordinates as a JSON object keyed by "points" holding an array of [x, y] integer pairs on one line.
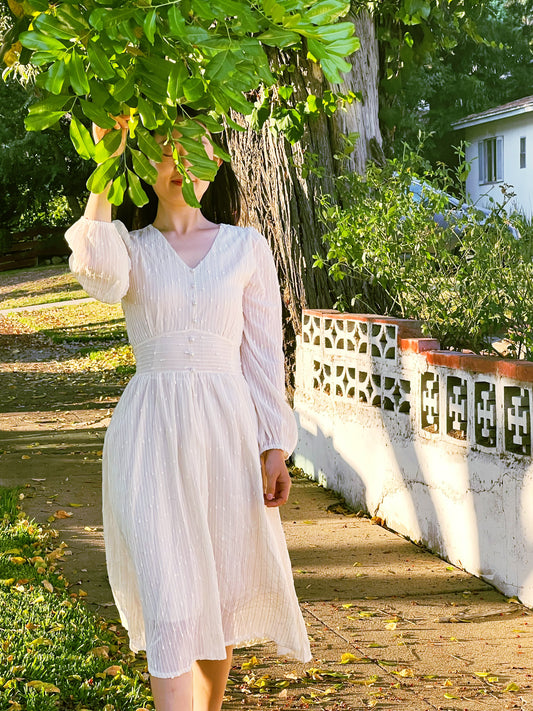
{"points": [[495, 114]]}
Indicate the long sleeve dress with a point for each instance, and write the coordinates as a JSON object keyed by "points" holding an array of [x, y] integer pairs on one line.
{"points": [[195, 559]]}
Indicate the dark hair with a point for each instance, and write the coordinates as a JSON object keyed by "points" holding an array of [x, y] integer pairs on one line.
{"points": [[221, 202]]}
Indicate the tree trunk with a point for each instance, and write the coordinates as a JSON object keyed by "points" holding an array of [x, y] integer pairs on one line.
{"points": [[281, 201]]}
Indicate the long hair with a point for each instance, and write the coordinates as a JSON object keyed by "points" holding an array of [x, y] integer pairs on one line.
{"points": [[221, 202]]}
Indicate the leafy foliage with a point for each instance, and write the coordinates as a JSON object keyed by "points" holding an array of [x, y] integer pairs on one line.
{"points": [[97, 61], [39, 172], [447, 60], [469, 280]]}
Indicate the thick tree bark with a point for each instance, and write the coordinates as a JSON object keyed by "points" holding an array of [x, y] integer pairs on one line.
{"points": [[281, 201]]}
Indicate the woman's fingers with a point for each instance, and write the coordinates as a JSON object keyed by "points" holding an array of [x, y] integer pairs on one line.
{"points": [[121, 124], [277, 484]]}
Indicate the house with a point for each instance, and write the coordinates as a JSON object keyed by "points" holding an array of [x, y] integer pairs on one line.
{"points": [[501, 153]]}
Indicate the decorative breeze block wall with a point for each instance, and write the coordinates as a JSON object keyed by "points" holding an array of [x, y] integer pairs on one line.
{"points": [[436, 442]]}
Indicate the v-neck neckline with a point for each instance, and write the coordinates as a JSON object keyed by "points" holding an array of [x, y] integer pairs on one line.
{"points": [[202, 260]]}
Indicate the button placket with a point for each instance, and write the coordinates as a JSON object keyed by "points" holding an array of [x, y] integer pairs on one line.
{"points": [[194, 303]]}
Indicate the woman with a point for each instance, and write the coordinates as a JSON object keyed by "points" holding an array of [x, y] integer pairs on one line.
{"points": [[194, 457]]}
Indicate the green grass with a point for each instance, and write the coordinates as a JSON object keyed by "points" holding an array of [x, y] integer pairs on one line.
{"points": [[54, 652], [38, 285]]}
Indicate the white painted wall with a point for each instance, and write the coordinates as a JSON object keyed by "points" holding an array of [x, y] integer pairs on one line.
{"points": [[512, 129], [471, 504]]}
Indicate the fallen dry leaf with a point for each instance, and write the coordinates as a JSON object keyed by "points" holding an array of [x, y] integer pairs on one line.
{"points": [[113, 670], [63, 514], [347, 657]]}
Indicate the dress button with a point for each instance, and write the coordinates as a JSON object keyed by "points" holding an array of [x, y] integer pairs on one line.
{"points": [[191, 339], [193, 302]]}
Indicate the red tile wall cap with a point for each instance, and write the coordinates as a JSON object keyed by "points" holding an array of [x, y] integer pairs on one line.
{"points": [[521, 370], [419, 345]]}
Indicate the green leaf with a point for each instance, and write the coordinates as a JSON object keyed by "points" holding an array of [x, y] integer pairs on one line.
{"points": [[176, 22], [218, 151], [125, 87], [147, 114], [135, 190], [103, 18], [211, 124], [333, 67], [187, 188], [143, 167], [330, 33], [194, 89], [327, 11], [40, 5], [278, 37], [71, 18], [98, 115], [177, 76], [51, 103], [274, 10], [118, 188], [39, 42], [51, 26], [220, 66], [148, 145], [38, 122], [78, 76], [107, 145], [149, 26], [99, 62], [100, 177], [81, 138], [56, 76]]}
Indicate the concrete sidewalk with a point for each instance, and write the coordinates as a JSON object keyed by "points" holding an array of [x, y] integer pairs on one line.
{"points": [[415, 632]]}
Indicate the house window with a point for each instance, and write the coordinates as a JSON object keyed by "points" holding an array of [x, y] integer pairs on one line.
{"points": [[490, 154], [523, 152]]}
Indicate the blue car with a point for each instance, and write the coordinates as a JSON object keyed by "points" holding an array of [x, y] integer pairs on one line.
{"points": [[456, 212]]}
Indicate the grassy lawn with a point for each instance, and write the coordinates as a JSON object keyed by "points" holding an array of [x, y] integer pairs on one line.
{"points": [[54, 652], [98, 329], [38, 285]]}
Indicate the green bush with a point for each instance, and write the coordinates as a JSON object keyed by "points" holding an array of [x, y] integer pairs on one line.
{"points": [[469, 283]]}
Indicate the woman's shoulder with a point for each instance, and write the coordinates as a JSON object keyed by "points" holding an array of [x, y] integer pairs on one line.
{"points": [[247, 234]]}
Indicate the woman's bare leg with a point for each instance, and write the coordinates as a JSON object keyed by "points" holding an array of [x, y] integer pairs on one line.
{"points": [[209, 682], [173, 694]]}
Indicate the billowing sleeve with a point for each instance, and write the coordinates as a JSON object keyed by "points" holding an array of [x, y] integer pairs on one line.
{"points": [[262, 355], [100, 260]]}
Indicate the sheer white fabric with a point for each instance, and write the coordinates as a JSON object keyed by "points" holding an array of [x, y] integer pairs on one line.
{"points": [[195, 560]]}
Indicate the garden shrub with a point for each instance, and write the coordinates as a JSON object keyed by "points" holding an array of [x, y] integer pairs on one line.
{"points": [[469, 278]]}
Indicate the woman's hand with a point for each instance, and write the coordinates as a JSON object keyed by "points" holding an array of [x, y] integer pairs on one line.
{"points": [[276, 479], [121, 124]]}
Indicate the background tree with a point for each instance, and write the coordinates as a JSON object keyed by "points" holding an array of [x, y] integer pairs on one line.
{"points": [[488, 64], [42, 178]]}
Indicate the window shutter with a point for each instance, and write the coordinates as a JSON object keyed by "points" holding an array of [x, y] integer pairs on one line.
{"points": [[481, 160], [499, 158]]}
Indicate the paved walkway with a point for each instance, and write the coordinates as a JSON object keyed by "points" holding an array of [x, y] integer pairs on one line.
{"points": [[39, 307], [423, 635]]}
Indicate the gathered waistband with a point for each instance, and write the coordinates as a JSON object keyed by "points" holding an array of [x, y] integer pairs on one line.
{"points": [[187, 350]]}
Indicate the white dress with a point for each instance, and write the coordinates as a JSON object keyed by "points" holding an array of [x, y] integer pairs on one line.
{"points": [[195, 559]]}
